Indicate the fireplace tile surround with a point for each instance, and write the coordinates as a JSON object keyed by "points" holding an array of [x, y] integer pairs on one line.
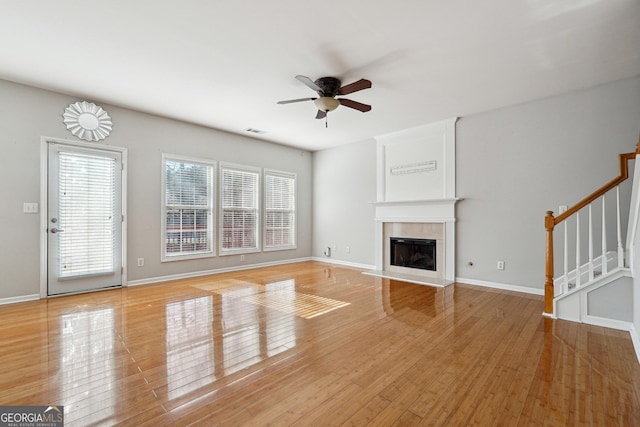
{"points": [[415, 230], [429, 219]]}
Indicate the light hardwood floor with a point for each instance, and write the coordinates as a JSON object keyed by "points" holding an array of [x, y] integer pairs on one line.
{"points": [[311, 344]]}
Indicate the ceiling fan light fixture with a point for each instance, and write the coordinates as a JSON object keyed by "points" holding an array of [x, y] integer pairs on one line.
{"points": [[326, 103]]}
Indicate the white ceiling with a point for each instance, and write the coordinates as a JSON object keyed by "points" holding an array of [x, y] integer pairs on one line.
{"points": [[225, 64]]}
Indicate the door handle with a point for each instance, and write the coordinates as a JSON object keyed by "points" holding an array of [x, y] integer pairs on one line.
{"points": [[56, 230]]}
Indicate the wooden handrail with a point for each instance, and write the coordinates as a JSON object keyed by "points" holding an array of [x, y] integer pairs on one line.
{"points": [[624, 174], [550, 222]]}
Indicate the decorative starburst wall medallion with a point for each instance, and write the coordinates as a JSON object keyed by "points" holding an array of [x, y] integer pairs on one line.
{"points": [[87, 121]]}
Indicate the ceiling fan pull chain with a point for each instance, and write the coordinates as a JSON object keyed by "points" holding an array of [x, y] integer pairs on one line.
{"points": [[326, 121]]}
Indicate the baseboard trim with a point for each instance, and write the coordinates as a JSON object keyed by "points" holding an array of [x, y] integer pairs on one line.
{"points": [[418, 280], [192, 274], [503, 286], [21, 298], [620, 325], [343, 263]]}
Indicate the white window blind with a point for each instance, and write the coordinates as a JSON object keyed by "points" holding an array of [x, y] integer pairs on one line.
{"points": [[86, 214], [240, 209], [188, 209], [280, 210]]}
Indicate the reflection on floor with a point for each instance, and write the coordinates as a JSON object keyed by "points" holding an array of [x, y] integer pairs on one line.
{"points": [[302, 305], [281, 296], [313, 344]]}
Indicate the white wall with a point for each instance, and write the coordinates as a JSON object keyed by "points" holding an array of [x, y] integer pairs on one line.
{"points": [[634, 245], [513, 165], [27, 114]]}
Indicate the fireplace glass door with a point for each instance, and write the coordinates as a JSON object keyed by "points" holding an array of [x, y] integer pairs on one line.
{"points": [[413, 253]]}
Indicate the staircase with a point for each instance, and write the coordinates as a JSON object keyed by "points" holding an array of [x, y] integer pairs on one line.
{"points": [[595, 281]]}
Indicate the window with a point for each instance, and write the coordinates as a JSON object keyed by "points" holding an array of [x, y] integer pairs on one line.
{"points": [[239, 209], [280, 210], [87, 212], [188, 191]]}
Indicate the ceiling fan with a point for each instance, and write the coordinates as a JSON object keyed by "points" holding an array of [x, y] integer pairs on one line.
{"points": [[327, 89]]}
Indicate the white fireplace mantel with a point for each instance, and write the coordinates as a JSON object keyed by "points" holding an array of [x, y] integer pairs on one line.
{"points": [[433, 210], [418, 202]]}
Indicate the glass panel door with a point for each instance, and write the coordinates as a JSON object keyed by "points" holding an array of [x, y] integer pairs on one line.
{"points": [[84, 243]]}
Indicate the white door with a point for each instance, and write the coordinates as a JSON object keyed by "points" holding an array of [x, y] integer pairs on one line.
{"points": [[84, 223]]}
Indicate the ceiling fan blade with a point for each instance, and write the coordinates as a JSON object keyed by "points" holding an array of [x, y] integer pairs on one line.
{"points": [[321, 114], [354, 87], [310, 83], [355, 105], [289, 101]]}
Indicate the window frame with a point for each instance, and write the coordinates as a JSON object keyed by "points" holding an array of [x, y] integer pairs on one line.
{"points": [[212, 187], [223, 166], [294, 229]]}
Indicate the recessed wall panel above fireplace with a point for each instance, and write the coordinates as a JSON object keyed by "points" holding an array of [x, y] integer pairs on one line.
{"points": [[424, 155]]}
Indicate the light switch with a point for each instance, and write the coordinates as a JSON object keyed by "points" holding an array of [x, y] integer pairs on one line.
{"points": [[30, 208]]}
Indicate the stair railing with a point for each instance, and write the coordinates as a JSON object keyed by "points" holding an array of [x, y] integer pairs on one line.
{"points": [[550, 222]]}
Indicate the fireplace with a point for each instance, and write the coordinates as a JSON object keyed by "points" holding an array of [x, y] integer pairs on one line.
{"points": [[414, 248], [415, 205], [413, 253]]}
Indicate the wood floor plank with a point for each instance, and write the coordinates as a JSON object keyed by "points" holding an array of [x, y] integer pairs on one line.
{"points": [[315, 344]]}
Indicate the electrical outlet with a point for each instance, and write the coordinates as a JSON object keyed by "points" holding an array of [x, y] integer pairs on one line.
{"points": [[140, 262], [348, 249], [500, 265], [241, 257]]}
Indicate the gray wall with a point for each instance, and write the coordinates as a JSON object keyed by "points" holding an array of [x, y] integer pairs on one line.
{"points": [[27, 114], [516, 163], [513, 165], [612, 301], [344, 184]]}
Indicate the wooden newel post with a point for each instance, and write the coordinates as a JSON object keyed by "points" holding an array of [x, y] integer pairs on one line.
{"points": [[549, 224]]}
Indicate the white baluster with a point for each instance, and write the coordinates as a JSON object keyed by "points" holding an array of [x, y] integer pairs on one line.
{"points": [[620, 250], [577, 249], [603, 258], [590, 245], [565, 285]]}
